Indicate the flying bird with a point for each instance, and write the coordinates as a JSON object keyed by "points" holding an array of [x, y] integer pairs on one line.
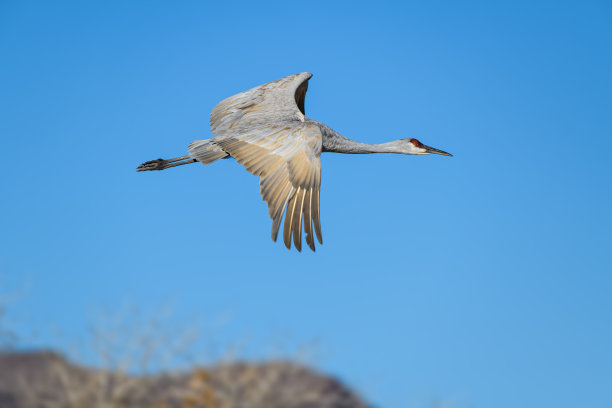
{"points": [[266, 130]]}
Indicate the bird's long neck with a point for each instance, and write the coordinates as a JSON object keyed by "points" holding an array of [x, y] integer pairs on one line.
{"points": [[336, 143]]}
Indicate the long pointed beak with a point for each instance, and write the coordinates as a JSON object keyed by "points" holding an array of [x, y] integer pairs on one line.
{"points": [[436, 151]]}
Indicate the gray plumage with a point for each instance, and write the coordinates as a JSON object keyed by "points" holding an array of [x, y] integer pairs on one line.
{"points": [[265, 129]]}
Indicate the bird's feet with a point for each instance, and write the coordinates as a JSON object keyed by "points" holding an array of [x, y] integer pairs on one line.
{"points": [[158, 164]]}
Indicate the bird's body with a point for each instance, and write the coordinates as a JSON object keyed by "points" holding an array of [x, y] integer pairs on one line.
{"points": [[266, 130]]}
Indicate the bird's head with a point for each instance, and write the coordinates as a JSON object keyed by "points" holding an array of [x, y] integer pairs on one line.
{"points": [[415, 147]]}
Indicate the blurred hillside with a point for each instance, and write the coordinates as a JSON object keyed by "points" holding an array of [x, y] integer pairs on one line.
{"points": [[138, 356], [49, 380]]}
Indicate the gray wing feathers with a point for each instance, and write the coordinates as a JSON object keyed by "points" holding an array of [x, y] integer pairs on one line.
{"points": [[265, 130], [286, 157], [273, 102]]}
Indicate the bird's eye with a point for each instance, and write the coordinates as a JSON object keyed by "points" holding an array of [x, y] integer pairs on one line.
{"points": [[416, 142]]}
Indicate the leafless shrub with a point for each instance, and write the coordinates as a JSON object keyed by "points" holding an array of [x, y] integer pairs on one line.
{"points": [[8, 337]]}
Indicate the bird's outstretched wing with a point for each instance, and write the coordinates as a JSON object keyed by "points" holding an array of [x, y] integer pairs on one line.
{"points": [[265, 130], [287, 158], [273, 102]]}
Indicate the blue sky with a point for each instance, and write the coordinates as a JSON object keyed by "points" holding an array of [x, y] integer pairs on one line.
{"points": [[478, 280]]}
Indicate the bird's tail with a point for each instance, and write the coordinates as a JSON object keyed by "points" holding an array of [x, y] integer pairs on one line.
{"points": [[204, 151]]}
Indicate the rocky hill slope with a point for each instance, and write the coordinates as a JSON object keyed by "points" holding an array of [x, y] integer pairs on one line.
{"points": [[48, 380]]}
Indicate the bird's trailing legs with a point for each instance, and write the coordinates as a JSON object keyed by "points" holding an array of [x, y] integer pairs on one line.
{"points": [[161, 164]]}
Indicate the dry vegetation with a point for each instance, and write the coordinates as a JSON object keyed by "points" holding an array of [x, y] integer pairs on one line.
{"points": [[49, 380]]}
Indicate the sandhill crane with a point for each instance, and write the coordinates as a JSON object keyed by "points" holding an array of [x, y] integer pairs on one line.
{"points": [[265, 129]]}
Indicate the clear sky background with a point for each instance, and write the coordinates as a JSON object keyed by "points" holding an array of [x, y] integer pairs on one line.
{"points": [[481, 280]]}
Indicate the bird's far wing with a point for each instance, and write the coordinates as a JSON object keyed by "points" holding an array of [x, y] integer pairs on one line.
{"points": [[287, 158], [273, 102]]}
